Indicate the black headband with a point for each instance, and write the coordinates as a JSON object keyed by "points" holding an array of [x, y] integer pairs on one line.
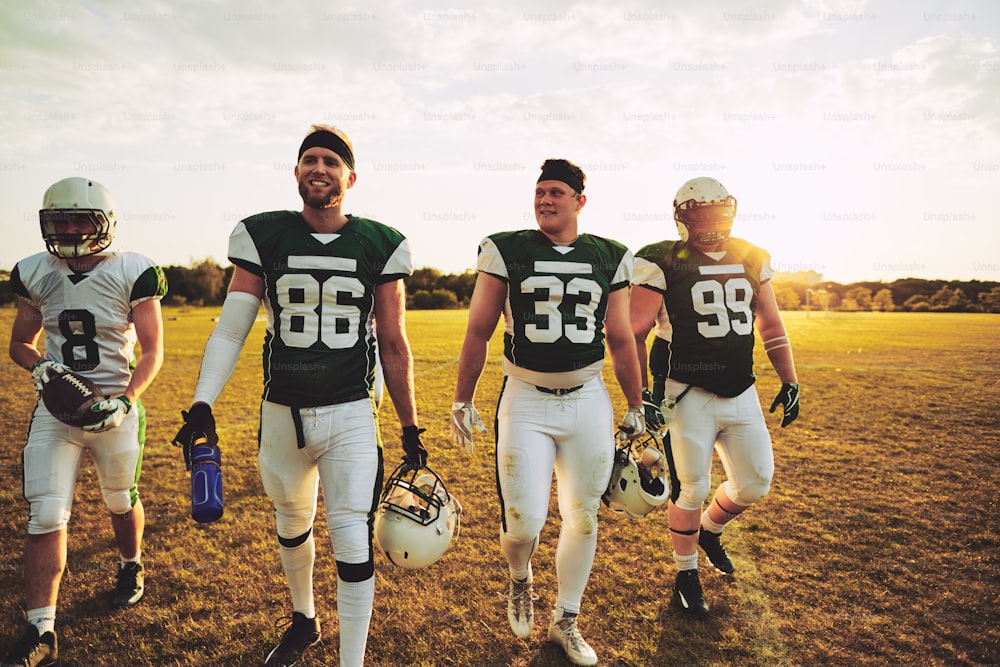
{"points": [[558, 171], [329, 140]]}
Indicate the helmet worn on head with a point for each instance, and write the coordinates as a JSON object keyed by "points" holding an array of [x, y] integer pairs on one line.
{"points": [[416, 518], [704, 202], [639, 482], [83, 203]]}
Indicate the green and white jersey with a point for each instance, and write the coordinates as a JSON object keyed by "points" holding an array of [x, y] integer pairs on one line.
{"points": [[87, 317], [319, 348], [710, 307], [557, 296]]}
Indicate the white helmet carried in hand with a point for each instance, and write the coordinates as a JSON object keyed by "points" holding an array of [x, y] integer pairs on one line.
{"points": [[416, 518], [639, 481], [77, 199], [704, 211]]}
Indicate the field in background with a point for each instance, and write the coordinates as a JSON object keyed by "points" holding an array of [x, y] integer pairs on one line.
{"points": [[878, 544]]}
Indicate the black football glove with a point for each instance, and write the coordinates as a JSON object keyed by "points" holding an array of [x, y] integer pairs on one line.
{"points": [[198, 420], [651, 411], [788, 399], [416, 454]]}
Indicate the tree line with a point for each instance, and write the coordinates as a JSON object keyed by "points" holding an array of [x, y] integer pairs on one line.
{"points": [[204, 283]]}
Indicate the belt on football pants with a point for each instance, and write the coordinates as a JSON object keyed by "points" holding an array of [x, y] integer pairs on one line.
{"points": [[558, 392], [300, 437]]}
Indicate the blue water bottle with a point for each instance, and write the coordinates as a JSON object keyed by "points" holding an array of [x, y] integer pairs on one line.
{"points": [[206, 480]]}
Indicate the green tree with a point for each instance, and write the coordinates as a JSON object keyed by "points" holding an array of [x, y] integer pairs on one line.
{"points": [[786, 297], [857, 298], [437, 299], [917, 303], [883, 301], [950, 300], [990, 301]]}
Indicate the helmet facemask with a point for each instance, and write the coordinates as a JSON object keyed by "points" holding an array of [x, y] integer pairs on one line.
{"points": [[77, 218], [705, 223], [704, 211], [639, 482], [416, 518], [71, 245]]}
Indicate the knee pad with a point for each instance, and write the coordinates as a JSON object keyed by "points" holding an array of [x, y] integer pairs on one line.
{"points": [[119, 502], [582, 520], [356, 571], [522, 528], [47, 516], [295, 525], [749, 493], [693, 494]]}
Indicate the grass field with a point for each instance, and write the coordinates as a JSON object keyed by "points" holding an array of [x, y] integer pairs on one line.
{"points": [[878, 544]]}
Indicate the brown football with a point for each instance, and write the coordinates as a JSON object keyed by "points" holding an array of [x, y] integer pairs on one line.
{"points": [[68, 396]]}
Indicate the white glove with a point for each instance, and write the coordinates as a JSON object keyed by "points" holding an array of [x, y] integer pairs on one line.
{"points": [[40, 372], [464, 418], [633, 423], [115, 410]]}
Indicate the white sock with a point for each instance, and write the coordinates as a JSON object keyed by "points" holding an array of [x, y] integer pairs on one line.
{"points": [[709, 525], [43, 618], [136, 559], [518, 556], [354, 611], [686, 562], [574, 561], [298, 566]]}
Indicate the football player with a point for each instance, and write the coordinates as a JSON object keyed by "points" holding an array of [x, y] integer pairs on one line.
{"points": [[322, 276], [93, 305], [704, 294], [564, 296]]}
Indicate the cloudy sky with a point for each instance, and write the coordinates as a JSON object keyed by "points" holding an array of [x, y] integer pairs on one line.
{"points": [[861, 138]]}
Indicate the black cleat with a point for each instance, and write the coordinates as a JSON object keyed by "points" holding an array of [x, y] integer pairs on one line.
{"points": [[32, 650], [687, 594], [712, 545], [301, 633], [130, 586]]}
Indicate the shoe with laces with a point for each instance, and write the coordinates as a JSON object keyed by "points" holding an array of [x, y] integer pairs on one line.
{"points": [[564, 631], [32, 650], [520, 607], [300, 634], [711, 543], [687, 593], [130, 585]]}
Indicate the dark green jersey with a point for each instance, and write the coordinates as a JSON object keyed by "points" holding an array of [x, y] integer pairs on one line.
{"points": [[710, 306], [557, 296], [319, 346]]}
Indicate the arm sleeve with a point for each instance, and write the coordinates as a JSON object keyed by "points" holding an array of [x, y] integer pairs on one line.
{"points": [[224, 345]]}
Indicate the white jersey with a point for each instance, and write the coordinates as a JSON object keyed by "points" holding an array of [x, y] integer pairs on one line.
{"points": [[87, 317]]}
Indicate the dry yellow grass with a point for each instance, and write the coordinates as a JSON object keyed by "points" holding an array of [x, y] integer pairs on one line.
{"points": [[878, 544]]}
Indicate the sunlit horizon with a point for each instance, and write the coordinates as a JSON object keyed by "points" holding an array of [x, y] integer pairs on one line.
{"points": [[861, 139]]}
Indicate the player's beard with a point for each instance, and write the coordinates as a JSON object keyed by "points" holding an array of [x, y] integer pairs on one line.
{"points": [[331, 200]]}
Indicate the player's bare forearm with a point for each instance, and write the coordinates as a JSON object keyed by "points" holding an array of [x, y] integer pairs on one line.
{"points": [[148, 322], [471, 362], [626, 368], [640, 355], [620, 340], [24, 335], [397, 367], [784, 365]]}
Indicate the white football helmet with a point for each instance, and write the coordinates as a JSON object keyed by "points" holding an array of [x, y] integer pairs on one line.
{"points": [[639, 481], [704, 210], [416, 518], [77, 200]]}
